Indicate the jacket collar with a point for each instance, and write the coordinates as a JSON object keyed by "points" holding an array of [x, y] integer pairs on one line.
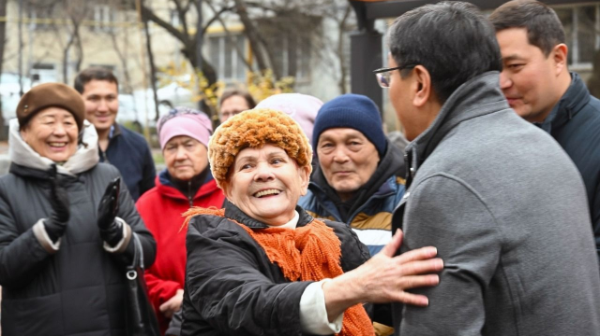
{"points": [[377, 183], [236, 214], [165, 186], [115, 130], [477, 97], [85, 158], [574, 99]]}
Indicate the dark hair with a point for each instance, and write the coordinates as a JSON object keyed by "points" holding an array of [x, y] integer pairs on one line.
{"points": [[228, 93], [544, 29], [452, 40], [94, 73]]}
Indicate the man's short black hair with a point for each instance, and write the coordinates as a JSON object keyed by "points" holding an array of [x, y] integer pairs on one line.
{"points": [[452, 40], [94, 73], [544, 29]]}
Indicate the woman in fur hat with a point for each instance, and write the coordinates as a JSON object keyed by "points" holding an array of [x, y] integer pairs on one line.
{"points": [[263, 266], [66, 224]]}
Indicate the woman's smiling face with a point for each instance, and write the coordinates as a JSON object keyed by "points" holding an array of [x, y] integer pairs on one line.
{"points": [[52, 133], [265, 183]]}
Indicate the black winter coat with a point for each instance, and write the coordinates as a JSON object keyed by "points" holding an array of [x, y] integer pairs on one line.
{"points": [[231, 286], [575, 124], [79, 290]]}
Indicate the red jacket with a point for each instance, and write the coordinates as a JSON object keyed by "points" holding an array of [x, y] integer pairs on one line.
{"points": [[161, 208]]}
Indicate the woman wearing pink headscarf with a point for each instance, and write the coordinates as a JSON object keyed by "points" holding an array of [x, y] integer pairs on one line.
{"points": [[186, 182]]}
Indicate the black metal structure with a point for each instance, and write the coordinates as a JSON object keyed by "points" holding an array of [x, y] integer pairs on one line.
{"points": [[365, 44]]}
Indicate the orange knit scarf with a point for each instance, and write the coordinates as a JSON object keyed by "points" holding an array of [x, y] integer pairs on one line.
{"points": [[309, 253]]}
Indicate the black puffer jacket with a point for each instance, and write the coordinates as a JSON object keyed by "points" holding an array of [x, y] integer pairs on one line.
{"points": [[79, 288], [231, 286]]}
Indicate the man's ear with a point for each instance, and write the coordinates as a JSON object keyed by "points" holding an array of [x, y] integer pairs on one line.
{"points": [[560, 56], [421, 86]]}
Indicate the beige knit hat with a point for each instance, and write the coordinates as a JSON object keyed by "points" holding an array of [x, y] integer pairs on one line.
{"points": [[253, 129]]}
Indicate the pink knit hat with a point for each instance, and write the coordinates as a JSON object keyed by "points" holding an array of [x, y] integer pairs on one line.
{"points": [[184, 121], [302, 108]]}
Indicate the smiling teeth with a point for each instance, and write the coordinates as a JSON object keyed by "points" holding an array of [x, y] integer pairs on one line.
{"points": [[58, 144], [266, 192]]}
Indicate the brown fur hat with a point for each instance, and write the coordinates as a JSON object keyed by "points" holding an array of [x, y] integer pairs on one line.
{"points": [[255, 128], [48, 95]]}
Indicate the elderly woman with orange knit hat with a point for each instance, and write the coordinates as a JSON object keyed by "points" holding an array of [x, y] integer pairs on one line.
{"points": [[263, 266]]}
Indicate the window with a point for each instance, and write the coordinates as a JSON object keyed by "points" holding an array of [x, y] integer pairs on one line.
{"points": [[582, 29], [40, 14], [292, 56], [43, 73], [225, 57], [288, 37], [104, 17]]}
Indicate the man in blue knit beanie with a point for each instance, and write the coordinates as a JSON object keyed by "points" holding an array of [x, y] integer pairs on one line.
{"points": [[355, 180]]}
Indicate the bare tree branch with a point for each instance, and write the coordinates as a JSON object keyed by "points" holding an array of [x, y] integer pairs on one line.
{"points": [[149, 15], [228, 34]]}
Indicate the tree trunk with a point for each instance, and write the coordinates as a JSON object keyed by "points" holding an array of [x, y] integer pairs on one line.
{"points": [[66, 58], [152, 70], [252, 34], [340, 50]]}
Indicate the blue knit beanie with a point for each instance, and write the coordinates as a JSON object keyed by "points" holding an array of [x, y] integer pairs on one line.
{"points": [[351, 111]]}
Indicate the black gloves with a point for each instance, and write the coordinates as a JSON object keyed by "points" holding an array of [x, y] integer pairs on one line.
{"points": [[110, 230], [56, 224]]}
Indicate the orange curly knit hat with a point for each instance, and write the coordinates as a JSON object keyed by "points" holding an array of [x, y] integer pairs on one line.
{"points": [[255, 128]]}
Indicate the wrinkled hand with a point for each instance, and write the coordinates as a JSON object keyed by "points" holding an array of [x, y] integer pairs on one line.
{"points": [[109, 205], [384, 278], [56, 224], [171, 306]]}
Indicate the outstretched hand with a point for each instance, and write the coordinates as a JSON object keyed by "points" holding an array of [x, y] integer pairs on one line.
{"points": [[384, 278], [109, 204]]}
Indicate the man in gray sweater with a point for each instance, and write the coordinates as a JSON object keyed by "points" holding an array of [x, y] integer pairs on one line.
{"points": [[498, 197]]}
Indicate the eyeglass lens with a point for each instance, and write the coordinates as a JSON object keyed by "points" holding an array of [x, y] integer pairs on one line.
{"points": [[383, 79]]}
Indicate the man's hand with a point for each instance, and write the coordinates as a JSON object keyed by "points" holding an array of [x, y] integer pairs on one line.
{"points": [[384, 278], [172, 305]]}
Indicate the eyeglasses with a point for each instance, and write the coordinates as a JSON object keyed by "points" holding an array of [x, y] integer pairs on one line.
{"points": [[383, 74]]}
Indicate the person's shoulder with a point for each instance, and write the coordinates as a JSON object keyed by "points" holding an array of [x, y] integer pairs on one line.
{"points": [[9, 182], [354, 252], [342, 230], [212, 226], [305, 200], [149, 197], [133, 137], [593, 107], [105, 169]]}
